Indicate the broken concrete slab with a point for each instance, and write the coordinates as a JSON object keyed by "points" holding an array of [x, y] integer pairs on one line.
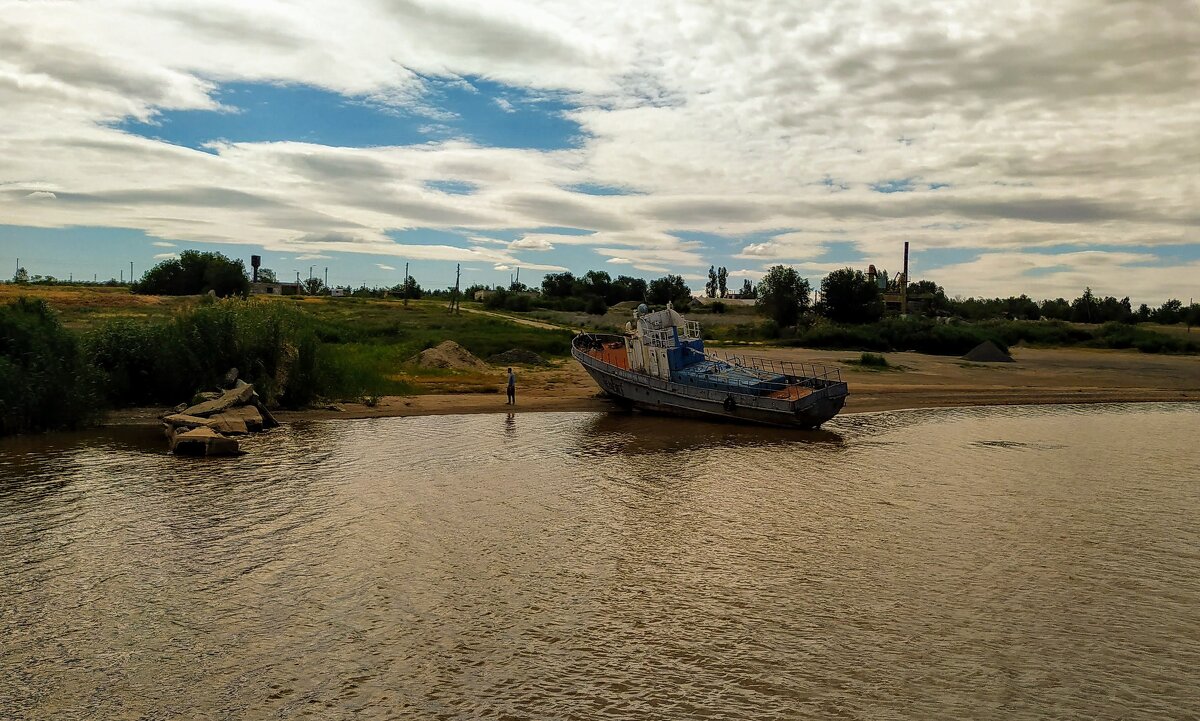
{"points": [[230, 398], [177, 420], [203, 442], [228, 423]]}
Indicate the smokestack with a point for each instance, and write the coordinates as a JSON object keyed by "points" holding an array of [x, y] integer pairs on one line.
{"points": [[255, 261]]}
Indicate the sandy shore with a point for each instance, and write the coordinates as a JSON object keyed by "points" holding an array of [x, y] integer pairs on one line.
{"points": [[921, 381], [1038, 376]]}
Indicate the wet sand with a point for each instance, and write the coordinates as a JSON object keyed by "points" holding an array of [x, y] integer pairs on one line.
{"points": [[918, 381]]}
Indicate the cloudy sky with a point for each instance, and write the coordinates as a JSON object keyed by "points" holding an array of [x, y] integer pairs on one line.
{"points": [[1022, 147]]}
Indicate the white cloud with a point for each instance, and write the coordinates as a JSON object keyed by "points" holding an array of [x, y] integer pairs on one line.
{"points": [[531, 243], [501, 266], [381, 266], [162, 244], [165, 256], [1015, 127]]}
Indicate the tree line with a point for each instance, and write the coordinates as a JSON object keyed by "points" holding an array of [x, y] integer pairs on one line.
{"points": [[846, 295]]}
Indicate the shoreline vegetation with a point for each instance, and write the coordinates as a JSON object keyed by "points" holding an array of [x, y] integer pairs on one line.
{"points": [[69, 354]]}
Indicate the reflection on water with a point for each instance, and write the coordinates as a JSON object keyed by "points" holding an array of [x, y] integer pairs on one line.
{"points": [[998, 563]]}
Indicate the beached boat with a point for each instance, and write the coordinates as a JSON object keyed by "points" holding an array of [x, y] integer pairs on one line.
{"points": [[660, 365]]}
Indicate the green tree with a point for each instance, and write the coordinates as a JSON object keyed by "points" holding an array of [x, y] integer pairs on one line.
{"points": [[315, 286], [195, 273], [266, 275], [629, 288], [1057, 309], [848, 296], [930, 296], [783, 295], [722, 281], [412, 290], [597, 283], [1085, 309], [21, 276], [1193, 315], [748, 290], [710, 288], [558, 285], [669, 289], [1168, 313]]}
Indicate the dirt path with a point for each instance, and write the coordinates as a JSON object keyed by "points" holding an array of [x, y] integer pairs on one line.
{"points": [[518, 321]]}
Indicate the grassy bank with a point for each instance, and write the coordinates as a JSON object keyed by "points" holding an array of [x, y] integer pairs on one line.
{"points": [[59, 368], [927, 336]]}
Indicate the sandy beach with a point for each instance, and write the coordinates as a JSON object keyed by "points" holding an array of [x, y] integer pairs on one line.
{"points": [[918, 381]]}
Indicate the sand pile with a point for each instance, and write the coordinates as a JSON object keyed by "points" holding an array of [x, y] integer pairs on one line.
{"points": [[448, 354], [517, 356], [988, 352]]}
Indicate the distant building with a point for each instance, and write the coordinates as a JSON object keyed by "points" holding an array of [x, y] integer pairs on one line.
{"points": [[338, 292], [484, 294], [276, 289]]}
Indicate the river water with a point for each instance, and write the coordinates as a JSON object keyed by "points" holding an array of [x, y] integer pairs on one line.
{"points": [[1025, 562]]}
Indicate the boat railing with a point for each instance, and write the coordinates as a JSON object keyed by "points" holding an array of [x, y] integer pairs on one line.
{"points": [[663, 338], [757, 391], [804, 373]]}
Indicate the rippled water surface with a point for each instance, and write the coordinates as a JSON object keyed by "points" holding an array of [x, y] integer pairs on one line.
{"points": [[985, 563]]}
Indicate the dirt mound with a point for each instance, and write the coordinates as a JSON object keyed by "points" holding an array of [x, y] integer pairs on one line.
{"points": [[517, 356], [988, 352], [448, 354]]}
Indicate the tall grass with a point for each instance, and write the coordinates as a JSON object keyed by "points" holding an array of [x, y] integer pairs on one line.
{"points": [[273, 346], [294, 352], [45, 380]]}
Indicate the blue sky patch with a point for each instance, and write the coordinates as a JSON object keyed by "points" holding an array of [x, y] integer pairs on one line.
{"points": [[452, 187], [600, 189], [480, 111], [895, 185]]}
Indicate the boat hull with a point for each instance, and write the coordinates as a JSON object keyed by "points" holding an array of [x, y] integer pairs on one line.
{"points": [[656, 395]]}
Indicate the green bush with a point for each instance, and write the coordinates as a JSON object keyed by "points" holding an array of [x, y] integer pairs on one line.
{"points": [[45, 381], [595, 305], [873, 360]]}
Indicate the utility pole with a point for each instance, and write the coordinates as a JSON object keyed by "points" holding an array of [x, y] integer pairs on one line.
{"points": [[131, 271], [406, 285], [326, 276], [454, 295]]}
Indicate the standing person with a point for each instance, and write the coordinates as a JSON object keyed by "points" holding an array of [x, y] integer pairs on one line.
{"points": [[512, 387]]}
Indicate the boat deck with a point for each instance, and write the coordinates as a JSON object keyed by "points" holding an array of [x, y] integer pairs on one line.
{"points": [[791, 393], [613, 354]]}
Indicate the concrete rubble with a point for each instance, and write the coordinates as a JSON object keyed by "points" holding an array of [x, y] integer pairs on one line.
{"points": [[210, 427]]}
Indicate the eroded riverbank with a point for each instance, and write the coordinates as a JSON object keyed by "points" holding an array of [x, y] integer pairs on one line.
{"points": [[1041, 376]]}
